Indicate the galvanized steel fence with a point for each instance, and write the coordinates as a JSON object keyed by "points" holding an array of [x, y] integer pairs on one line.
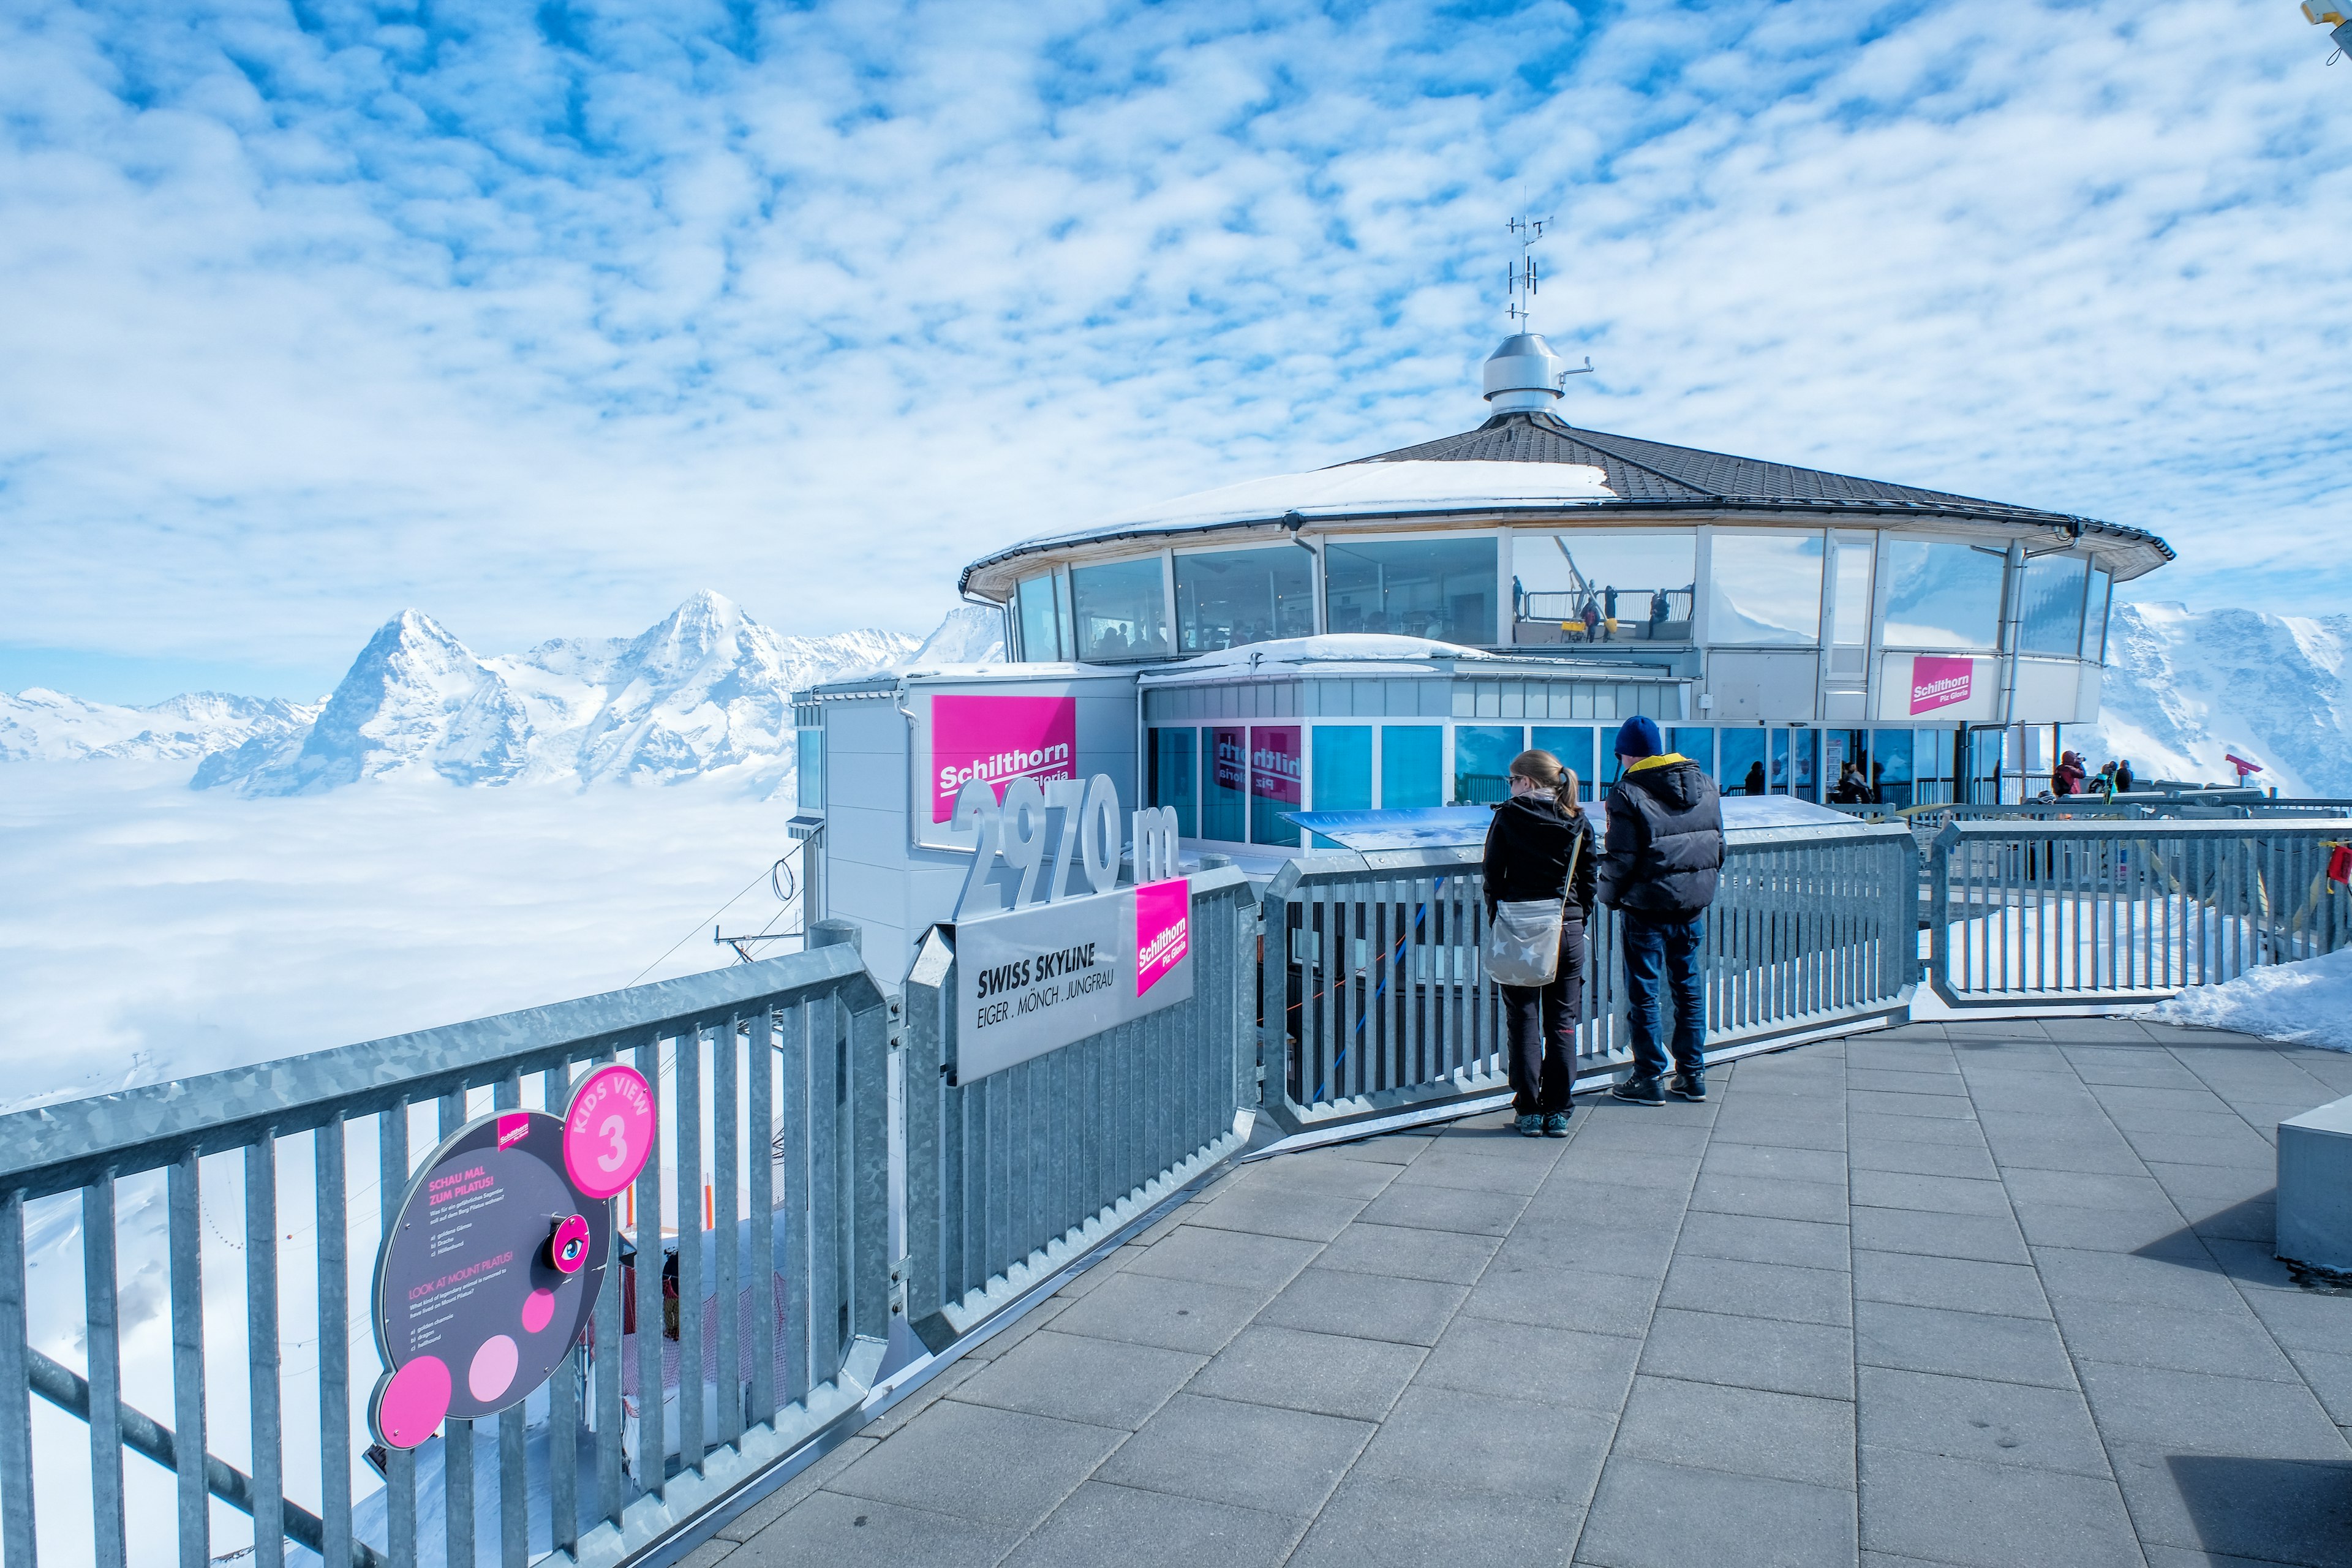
{"points": [[2061, 912], [222, 1224], [1012, 1177], [1374, 999]]}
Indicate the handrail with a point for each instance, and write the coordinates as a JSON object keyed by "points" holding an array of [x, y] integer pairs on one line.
{"points": [[1375, 1000], [2027, 912], [771, 1158], [1014, 1175]]}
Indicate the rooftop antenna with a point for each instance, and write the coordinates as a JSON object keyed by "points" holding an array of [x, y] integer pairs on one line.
{"points": [[1526, 274]]}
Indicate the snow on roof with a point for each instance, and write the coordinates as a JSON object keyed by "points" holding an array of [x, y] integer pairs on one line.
{"points": [[1354, 489], [1353, 647]]}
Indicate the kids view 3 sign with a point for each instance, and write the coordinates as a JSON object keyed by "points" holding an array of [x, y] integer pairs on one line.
{"points": [[488, 1271], [1061, 963]]}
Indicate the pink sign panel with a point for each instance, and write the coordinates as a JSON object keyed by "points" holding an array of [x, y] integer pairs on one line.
{"points": [[998, 739], [1276, 762], [1163, 933], [608, 1131], [1939, 682]]}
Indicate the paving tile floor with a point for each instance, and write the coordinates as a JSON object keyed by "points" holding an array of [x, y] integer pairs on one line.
{"points": [[1978, 1293]]}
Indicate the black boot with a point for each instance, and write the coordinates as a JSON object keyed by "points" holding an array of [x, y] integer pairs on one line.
{"points": [[1688, 1086], [1638, 1091]]}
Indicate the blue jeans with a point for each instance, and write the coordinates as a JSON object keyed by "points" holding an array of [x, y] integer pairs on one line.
{"points": [[1670, 946]]}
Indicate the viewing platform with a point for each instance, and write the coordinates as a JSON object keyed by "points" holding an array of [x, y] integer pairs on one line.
{"points": [[1995, 1293]]}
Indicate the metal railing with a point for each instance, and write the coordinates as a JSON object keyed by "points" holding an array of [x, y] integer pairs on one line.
{"points": [[2025, 912], [224, 1222], [1013, 1176], [1374, 998]]}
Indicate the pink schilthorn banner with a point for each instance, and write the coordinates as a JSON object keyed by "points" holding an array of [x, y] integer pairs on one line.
{"points": [[1939, 682], [998, 739], [1163, 929]]}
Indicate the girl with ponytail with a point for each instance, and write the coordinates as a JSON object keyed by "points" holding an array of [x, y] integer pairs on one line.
{"points": [[1540, 855]]}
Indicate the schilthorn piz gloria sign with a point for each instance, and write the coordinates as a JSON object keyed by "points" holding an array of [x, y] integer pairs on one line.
{"points": [[1061, 964]]}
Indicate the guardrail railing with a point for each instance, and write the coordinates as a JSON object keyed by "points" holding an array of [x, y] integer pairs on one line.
{"points": [[1374, 998], [178, 1266], [1012, 1177], [2074, 912]]}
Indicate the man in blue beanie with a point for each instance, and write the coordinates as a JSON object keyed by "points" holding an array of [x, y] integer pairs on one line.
{"points": [[1658, 871]]}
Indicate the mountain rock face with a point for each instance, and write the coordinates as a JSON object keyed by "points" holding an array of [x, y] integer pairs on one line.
{"points": [[2184, 686], [707, 690], [37, 725]]}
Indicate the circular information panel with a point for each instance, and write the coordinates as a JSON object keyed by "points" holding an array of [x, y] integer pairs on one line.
{"points": [[489, 1272]]}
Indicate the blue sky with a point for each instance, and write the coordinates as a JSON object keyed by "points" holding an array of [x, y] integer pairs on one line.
{"points": [[541, 319]]}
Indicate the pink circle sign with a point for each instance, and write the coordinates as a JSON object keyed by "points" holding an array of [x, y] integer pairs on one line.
{"points": [[411, 1403], [608, 1130]]}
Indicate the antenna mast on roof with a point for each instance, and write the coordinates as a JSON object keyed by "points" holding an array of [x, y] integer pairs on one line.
{"points": [[1527, 277]]}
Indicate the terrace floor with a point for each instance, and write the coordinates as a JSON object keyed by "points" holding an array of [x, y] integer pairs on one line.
{"points": [[1988, 1293]]}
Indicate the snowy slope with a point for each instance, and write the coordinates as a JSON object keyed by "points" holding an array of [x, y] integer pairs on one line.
{"points": [[2183, 687], [38, 725], [970, 635]]}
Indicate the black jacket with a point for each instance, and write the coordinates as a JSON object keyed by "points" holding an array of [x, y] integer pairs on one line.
{"points": [[1665, 841], [1527, 848]]}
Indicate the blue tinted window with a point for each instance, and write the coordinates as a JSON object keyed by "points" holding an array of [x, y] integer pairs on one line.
{"points": [[1698, 745], [1176, 776], [2051, 613], [1276, 761], [1411, 765], [808, 777], [1890, 767], [1481, 761], [1343, 767], [1573, 747], [1742, 766], [1805, 749], [1224, 802]]}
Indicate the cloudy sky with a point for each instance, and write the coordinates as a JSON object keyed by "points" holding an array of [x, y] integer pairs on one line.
{"points": [[542, 319]]}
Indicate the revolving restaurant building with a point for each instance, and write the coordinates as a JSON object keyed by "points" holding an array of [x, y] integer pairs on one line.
{"points": [[1527, 583]]}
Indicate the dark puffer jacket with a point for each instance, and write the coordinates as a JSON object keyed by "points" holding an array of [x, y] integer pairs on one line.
{"points": [[1528, 845], [1666, 841]]}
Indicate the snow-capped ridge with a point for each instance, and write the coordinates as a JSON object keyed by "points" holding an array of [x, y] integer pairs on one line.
{"points": [[705, 691]]}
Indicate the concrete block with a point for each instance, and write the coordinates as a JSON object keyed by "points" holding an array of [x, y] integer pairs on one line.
{"points": [[2315, 1187]]}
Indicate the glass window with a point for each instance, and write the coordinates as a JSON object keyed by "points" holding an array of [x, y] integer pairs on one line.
{"points": [[1698, 745], [1481, 761], [1644, 582], [2051, 619], [1743, 763], [1573, 747], [1041, 641], [2094, 623], [1888, 766], [1764, 588], [1276, 766], [808, 768], [1225, 806], [1343, 767], [1805, 751], [1942, 595], [1176, 776], [1443, 589], [1120, 609], [1850, 620], [1227, 598], [1411, 765]]}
